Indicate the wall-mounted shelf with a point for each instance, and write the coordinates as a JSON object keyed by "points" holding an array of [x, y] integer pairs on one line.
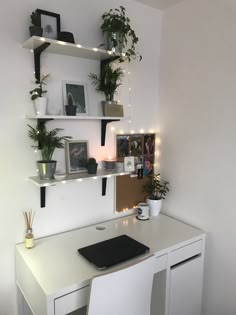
{"points": [[68, 49], [103, 174], [39, 44], [62, 117], [104, 121]]}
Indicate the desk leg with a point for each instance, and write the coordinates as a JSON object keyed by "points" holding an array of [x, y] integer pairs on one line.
{"points": [[158, 293], [22, 306]]}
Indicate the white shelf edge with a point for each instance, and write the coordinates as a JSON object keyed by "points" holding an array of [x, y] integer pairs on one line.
{"points": [[63, 117], [65, 48], [75, 177]]}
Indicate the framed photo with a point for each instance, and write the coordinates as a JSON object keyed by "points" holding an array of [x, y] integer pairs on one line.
{"points": [[136, 145], [76, 156], [75, 93], [148, 165], [50, 23], [149, 144], [122, 146]]}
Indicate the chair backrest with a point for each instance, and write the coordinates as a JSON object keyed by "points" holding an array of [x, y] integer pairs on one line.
{"points": [[123, 292]]}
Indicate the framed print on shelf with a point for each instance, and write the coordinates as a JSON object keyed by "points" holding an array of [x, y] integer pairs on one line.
{"points": [[50, 23], [75, 93], [76, 156]]}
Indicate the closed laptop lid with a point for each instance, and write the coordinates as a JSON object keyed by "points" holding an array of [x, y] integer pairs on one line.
{"points": [[113, 251]]}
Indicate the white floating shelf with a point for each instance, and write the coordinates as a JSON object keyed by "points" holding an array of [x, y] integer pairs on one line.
{"points": [[68, 49], [75, 177], [61, 117]]}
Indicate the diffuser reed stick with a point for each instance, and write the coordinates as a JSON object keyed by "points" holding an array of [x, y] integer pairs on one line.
{"points": [[29, 219]]}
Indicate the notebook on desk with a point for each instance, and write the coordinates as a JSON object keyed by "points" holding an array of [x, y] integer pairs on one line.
{"points": [[113, 251]]}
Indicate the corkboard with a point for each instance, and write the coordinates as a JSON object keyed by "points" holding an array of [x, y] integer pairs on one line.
{"points": [[129, 192]]}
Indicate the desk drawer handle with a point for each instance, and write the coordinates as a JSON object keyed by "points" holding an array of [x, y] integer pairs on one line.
{"points": [[100, 228], [185, 261]]}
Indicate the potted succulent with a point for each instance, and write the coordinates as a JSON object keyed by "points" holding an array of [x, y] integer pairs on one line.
{"points": [[47, 142], [92, 166], [37, 95], [107, 83], [156, 191], [118, 33], [35, 28]]}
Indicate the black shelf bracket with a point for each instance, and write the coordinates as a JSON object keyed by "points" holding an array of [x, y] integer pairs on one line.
{"points": [[42, 197], [42, 121], [104, 62], [37, 55], [104, 186], [104, 123]]}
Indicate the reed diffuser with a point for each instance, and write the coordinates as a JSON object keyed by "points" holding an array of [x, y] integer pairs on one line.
{"points": [[29, 237]]}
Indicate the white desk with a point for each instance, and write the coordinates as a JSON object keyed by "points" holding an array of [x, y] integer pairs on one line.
{"points": [[54, 279]]}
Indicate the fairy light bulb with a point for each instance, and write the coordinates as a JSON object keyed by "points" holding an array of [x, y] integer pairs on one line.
{"points": [[158, 140]]}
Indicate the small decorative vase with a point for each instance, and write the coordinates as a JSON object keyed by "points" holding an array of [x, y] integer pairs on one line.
{"points": [[29, 239], [92, 168], [35, 31], [155, 207], [47, 169], [41, 105], [70, 110], [114, 42]]}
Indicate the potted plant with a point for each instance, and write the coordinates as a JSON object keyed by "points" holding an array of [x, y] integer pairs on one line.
{"points": [[37, 95], [70, 108], [156, 191], [47, 142], [119, 34], [92, 166], [35, 28], [108, 82]]}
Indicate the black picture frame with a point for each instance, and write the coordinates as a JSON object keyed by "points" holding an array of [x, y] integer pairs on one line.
{"points": [[55, 23], [76, 156]]}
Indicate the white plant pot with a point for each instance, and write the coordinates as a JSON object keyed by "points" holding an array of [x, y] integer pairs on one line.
{"points": [[40, 104], [155, 207]]}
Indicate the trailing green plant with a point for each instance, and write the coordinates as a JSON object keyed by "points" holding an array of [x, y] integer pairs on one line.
{"points": [[47, 141], [35, 18], [38, 91], [116, 21], [156, 189], [108, 82]]}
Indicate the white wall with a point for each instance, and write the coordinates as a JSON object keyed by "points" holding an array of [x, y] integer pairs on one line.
{"points": [[71, 205], [198, 111]]}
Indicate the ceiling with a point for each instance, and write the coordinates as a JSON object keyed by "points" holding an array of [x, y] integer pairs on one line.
{"points": [[160, 4]]}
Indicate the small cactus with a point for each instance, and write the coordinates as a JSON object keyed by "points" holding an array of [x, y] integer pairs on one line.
{"points": [[70, 100], [92, 161], [35, 18]]}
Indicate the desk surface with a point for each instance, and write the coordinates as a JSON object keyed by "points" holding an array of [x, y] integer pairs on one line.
{"points": [[59, 269]]}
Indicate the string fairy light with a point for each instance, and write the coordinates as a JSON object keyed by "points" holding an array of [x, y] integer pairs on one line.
{"points": [[129, 102]]}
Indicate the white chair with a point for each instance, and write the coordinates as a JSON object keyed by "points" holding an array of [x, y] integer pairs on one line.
{"points": [[123, 292]]}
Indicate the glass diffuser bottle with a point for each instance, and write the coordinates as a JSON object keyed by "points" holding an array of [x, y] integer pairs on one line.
{"points": [[29, 238]]}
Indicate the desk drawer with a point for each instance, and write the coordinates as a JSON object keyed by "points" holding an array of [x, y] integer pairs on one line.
{"points": [[185, 252], [72, 301], [160, 263]]}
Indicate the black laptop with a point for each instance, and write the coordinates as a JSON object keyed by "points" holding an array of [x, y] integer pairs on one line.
{"points": [[113, 251]]}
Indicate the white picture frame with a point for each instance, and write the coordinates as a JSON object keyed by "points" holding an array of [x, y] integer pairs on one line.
{"points": [[77, 94], [76, 156]]}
